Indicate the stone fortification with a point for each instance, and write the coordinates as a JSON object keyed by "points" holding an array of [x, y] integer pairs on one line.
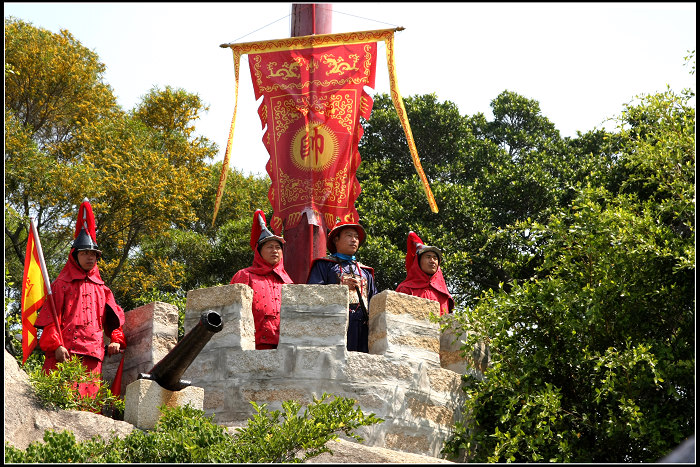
{"points": [[411, 378]]}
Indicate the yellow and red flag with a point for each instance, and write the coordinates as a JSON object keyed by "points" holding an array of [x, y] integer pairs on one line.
{"points": [[313, 95], [33, 292]]}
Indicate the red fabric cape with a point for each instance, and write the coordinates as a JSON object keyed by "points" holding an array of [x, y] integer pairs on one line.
{"points": [[417, 279]]}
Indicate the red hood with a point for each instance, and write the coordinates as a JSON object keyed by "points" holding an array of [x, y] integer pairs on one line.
{"points": [[417, 279], [262, 268], [72, 271]]}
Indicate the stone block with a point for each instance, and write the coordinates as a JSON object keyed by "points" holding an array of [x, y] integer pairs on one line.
{"points": [[444, 381], [399, 325], [144, 397], [314, 315], [234, 303], [373, 369], [238, 394], [151, 332], [325, 363], [255, 364], [453, 358], [205, 368], [423, 410]]}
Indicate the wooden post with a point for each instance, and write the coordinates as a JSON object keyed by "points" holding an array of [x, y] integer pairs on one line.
{"points": [[306, 241]]}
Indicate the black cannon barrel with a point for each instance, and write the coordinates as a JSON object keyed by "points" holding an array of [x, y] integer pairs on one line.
{"points": [[168, 371]]}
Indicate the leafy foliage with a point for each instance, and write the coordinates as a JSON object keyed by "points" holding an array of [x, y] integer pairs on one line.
{"points": [[58, 389], [68, 140], [186, 435], [485, 176], [593, 356], [53, 86], [294, 438]]}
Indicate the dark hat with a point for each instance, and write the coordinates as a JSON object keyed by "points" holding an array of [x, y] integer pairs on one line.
{"points": [[416, 247], [85, 239], [340, 225], [259, 233]]}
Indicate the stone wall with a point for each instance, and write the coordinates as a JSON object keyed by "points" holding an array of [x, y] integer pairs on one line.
{"points": [[151, 332], [411, 378]]}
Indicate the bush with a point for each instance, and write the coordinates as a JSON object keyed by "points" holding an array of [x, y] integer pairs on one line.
{"points": [[186, 435], [58, 389]]}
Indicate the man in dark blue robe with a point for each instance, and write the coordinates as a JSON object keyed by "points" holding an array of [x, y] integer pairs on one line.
{"points": [[342, 267]]}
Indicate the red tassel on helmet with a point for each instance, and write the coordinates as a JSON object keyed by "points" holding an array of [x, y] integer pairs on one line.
{"points": [[256, 230], [86, 220], [85, 238], [412, 244]]}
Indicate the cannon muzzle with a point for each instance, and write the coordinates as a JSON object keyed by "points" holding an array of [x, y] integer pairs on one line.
{"points": [[168, 371]]}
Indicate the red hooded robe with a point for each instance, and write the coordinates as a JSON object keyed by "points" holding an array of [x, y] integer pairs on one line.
{"points": [[266, 281], [85, 307], [420, 284]]}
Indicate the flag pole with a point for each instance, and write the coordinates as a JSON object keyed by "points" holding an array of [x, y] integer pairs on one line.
{"points": [[47, 282], [308, 237]]}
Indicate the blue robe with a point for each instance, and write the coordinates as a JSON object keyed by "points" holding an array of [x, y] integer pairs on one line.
{"points": [[328, 270]]}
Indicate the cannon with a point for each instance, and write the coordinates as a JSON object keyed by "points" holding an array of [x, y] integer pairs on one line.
{"points": [[168, 371]]}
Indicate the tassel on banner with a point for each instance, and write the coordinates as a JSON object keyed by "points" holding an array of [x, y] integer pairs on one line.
{"points": [[229, 142], [401, 111]]}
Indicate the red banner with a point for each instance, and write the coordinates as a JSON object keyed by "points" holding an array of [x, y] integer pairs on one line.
{"points": [[313, 99]]}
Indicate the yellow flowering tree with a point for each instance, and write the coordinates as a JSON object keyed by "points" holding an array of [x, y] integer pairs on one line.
{"points": [[66, 139]]}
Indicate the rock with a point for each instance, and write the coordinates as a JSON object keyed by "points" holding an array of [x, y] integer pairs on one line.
{"points": [[26, 420], [350, 452]]}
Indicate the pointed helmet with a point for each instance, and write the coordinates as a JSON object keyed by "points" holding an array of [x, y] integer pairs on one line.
{"points": [[259, 233], [85, 239], [416, 247]]}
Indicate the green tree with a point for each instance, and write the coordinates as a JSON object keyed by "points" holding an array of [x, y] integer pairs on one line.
{"points": [[66, 140], [209, 256], [485, 177], [151, 167], [593, 357], [53, 86]]}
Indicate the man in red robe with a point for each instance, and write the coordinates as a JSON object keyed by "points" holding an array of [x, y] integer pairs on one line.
{"points": [[266, 277], [423, 274], [85, 308]]}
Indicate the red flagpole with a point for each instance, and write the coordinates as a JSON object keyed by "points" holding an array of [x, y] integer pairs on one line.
{"points": [[47, 282], [307, 239]]}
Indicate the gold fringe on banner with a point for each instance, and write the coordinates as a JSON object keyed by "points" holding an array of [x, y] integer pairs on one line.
{"points": [[227, 154], [322, 40], [401, 111]]}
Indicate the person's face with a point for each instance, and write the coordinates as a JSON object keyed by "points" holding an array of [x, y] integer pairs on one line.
{"points": [[347, 241], [429, 262], [271, 252], [87, 259]]}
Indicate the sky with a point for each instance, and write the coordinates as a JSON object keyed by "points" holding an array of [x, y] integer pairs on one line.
{"points": [[581, 61]]}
